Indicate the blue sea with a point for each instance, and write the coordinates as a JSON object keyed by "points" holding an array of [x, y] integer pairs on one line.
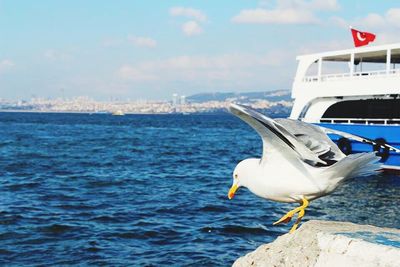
{"points": [[147, 190]]}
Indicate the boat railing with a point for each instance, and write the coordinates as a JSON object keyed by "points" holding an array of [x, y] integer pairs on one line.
{"points": [[341, 76], [373, 121]]}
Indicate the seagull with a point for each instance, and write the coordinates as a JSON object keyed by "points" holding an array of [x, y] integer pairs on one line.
{"points": [[299, 162]]}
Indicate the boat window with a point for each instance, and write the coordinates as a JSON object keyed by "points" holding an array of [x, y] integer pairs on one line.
{"points": [[365, 109], [337, 65], [395, 59], [313, 69], [368, 62]]}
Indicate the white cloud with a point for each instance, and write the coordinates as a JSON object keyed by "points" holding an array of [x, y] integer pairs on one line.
{"points": [[391, 19], [372, 21], [191, 28], [226, 68], [227, 72], [283, 16], [323, 46], [286, 12], [314, 5], [5, 65], [188, 13], [142, 41], [393, 16], [385, 26]]}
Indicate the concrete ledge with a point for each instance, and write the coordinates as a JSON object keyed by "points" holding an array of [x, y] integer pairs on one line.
{"points": [[328, 243]]}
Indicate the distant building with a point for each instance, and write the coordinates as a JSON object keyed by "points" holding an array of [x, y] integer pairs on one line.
{"points": [[183, 100], [175, 100]]}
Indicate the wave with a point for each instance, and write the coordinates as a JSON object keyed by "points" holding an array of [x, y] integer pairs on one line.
{"points": [[237, 229]]}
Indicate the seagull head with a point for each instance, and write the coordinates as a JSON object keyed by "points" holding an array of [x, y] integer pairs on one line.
{"points": [[242, 175]]}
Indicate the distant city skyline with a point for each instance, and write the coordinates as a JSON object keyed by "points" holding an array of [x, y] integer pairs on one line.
{"points": [[274, 102], [153, 49]]}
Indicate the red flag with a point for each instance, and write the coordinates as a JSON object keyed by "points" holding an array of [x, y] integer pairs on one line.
{"points": [[362, 38]]}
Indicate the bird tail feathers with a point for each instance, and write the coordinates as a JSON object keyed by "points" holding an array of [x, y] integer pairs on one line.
{"points": [[360, 164]]}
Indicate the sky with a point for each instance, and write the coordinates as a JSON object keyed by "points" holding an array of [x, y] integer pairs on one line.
{"points": [[148, 50]]}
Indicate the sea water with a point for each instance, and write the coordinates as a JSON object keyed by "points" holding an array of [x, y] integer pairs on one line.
{"points": [[145, 190]]}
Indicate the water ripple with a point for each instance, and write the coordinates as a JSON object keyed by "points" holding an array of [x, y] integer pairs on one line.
{"points": [[142, 190]]}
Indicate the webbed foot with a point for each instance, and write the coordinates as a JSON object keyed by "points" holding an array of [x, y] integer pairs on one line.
{"points": [[288, 216]]}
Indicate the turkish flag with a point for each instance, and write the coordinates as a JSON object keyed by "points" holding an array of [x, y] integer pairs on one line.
{"points": [[362, 38]]}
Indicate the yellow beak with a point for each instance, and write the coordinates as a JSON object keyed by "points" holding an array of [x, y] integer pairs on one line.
{"points": [[232, 191]]}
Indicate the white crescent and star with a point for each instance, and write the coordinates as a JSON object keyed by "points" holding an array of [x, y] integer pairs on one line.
{"points": [[359, 37]]}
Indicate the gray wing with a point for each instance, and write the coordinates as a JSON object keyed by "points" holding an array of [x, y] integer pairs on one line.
{"points": [[275, 136], [315, 138]]}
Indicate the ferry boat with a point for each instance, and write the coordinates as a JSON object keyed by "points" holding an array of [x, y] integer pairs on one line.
{"points": [[118, 113], [356, 91]]}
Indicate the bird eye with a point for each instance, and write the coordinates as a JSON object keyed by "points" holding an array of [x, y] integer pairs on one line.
{"points": [[236, 176]]}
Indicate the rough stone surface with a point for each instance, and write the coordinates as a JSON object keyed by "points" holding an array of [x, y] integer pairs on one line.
{"points": [[328, 243]]}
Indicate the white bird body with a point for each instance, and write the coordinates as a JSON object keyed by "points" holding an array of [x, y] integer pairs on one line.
{"points": [[299, 161], [278, 181]]}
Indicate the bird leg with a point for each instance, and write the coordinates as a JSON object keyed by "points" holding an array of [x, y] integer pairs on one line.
{"points": [[299, 216], [288, 216]]}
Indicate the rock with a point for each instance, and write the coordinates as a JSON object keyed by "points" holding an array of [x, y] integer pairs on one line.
{"points": [[328, 243]]}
